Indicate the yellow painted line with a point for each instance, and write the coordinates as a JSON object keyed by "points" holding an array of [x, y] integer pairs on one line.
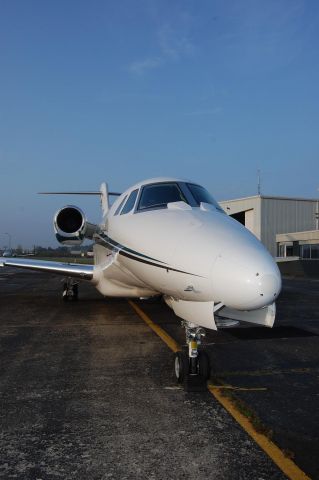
{"points": [[287, 466], [241, 389], [170, 342], [262, 373]]}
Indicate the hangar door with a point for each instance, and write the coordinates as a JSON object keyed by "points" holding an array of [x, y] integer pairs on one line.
{"points": [[246, 218]]}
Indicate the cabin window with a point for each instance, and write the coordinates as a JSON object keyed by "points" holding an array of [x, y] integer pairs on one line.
{"points": [[200, 194], [158, 195], [117, 211], [130, 202]]}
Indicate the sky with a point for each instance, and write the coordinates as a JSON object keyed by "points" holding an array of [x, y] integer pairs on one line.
{"points": [[212, 91]]}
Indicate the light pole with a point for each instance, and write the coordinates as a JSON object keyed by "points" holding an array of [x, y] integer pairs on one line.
{"points": [[9, 237]]}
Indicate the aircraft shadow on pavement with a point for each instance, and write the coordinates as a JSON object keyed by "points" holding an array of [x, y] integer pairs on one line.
{"points": [[258, 333]]}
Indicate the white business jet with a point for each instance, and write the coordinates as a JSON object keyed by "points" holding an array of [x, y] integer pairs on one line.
{"points": [[169, 237]]}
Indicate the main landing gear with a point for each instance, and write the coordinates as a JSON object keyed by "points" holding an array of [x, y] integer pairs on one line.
{"points": [[70, 290], [192, 368]]}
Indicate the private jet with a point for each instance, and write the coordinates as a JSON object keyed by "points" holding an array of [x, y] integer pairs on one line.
{"points": [[170, 237]]}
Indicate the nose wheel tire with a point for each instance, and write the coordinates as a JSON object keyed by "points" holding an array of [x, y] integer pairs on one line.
{"points": [[181, 366], [192, 367]]}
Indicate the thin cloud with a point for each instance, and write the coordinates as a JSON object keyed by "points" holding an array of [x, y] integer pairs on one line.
{"points": [[140, 67], [174, 43]]}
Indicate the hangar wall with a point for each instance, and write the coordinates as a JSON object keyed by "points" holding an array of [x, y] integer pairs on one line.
{"points": [[267, 216], [283, 215]]}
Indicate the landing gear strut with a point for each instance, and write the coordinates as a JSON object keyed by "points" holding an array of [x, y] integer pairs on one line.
{"points": [[70, 290], [192, 367]]}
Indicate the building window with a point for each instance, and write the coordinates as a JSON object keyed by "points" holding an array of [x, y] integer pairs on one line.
{"points": [[305, 251], [286, 250], [289, 251], [315, 251], [281, 250]]}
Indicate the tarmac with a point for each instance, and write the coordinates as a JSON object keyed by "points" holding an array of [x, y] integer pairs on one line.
{"points": [[88, 390]]}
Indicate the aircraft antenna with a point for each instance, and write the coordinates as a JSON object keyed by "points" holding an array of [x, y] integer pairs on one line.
{"points": [[259, 182]]}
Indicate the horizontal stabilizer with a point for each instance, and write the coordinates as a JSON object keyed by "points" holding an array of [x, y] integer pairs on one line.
{"points": [[263, 316], [78, 193], [103, 193], [66, 269]]}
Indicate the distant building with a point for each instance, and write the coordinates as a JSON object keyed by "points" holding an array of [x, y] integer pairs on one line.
{"points": [[300, 244], [284, 225]]}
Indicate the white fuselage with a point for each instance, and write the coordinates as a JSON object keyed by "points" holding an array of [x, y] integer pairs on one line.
{"points": [[170, 237], [196, 254]]}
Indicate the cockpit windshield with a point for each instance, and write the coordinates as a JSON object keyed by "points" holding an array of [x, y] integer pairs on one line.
{"points": [[158, 195], [200, 194]]}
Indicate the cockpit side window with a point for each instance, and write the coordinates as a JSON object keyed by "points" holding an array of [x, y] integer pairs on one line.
{"points": [[130, 202], [200, 194], [158, 195], [117, 211]]}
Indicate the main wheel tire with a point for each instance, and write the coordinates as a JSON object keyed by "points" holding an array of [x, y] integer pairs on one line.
{"points": [[181, 366], [203, 365]]}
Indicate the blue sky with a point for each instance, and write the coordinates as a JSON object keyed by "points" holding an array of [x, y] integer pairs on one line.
{"points": [[121, 91]]}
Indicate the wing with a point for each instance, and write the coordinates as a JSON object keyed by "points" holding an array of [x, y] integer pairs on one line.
{"points": [[67, 269]]}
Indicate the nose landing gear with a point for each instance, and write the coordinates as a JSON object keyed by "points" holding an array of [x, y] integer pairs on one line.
{"points": [[192, 367], [70, 290]]}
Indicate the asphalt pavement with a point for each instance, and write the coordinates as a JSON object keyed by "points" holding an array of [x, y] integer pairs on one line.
{"points": [[88, 391]]}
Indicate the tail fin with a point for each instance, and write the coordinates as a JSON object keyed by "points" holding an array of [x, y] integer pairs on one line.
{"points": [[105, 204]]}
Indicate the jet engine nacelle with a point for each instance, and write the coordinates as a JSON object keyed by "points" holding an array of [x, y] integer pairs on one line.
{"points": [[71, 226]]}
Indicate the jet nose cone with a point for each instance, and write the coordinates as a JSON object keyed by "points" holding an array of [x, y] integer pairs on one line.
{"points": [[246, 284], [269, 286]]}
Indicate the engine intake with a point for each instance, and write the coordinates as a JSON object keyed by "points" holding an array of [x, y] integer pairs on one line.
{"points": [[71, 226], [69, 219]]}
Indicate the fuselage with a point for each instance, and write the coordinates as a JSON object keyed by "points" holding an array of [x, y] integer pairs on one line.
{"points": [[186, 248], [169, 237]]}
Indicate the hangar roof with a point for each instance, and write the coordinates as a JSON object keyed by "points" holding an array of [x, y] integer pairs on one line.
{"points": [[270, 197]]}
